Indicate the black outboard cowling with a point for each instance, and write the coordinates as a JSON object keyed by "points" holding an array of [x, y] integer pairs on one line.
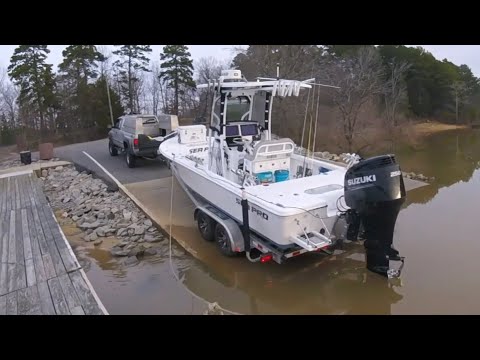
{"points": [[375, 192]]}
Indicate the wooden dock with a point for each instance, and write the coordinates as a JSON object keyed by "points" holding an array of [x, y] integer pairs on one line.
{"points": [[39, 273]]}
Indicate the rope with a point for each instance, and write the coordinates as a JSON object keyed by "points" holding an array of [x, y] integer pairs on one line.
{"points": [[212, 307]]}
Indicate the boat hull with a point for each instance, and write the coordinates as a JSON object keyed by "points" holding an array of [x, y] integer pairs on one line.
{"points": [[263, 221]]}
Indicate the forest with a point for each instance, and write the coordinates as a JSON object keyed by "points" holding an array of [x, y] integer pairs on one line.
{"points": [[380, 91]]}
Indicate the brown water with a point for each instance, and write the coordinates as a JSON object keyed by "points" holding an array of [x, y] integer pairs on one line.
{"points": [[436, 231]]}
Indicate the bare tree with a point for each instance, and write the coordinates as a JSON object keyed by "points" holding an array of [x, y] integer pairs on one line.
{"points": [[395, 90], [8, 98], [460, 91], [153, 87], [359, 80]]}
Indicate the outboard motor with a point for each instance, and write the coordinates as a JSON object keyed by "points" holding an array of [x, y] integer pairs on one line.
{"points": [[375, 192]]}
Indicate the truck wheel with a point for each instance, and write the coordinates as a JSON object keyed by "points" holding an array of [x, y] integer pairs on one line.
{"points": [[223, 241], [112, 149], [130, 159], [206, 226]]}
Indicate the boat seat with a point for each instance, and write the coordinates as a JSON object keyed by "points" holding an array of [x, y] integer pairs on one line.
{"points": [[265, 149], [269, 155]]}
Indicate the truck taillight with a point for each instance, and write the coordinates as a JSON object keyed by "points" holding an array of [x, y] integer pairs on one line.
{"points": [[266, 258], [135, 143]]}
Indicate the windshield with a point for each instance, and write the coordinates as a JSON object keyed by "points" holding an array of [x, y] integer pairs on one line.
{"points": [[237, 108]]}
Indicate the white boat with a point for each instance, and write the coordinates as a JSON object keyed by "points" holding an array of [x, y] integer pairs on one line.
{"points": [[284, 203]]}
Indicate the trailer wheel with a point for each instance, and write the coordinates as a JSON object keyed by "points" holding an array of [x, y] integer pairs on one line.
{"points": [[206, 226], [223, 241]]}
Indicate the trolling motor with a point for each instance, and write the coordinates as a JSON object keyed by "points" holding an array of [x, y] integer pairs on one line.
{"points": [[375, 192]]}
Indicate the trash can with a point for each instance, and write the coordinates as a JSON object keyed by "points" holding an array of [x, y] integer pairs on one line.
{"points": [[26, 157]]}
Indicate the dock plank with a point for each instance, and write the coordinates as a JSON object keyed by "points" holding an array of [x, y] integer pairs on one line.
{"points": [[48, 265], [3, 278], [27, 245], [52, 247], [19, 190], [68, 260], [30, 270], [21, 275], [77, 311], [86, 297], [39, 231], [18, 204], [3, 195], [59, 300], [28, 301], [12, 252], [69, 291], [36, 253], [29, 188], [4, 237], [46, 302], [3, 305], [12, 303]]}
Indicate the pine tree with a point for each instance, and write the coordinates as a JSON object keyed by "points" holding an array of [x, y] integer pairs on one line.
{"points": [[177, 70], [35, 78], [133, 59], [79, 65]]}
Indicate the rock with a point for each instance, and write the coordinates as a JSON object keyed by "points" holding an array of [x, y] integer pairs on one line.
{"points": [[139, 229], [122, 225], [136, 251], [75, 217], [44, 173], [147, 246], [151, 238], [93, 225], [59, 168], [100, 232], [140, 241], [147, 223], [127, 215], [150, 252], [115, 251], [97, 242], [110, 216], [76, 193], [131, 232], [134, 217], [66, 200], [79, 213], [65, 215], [129, 247], [131, 261], [101, 215], [89, 231], [121, 231], [115, 210], [124, 243]]}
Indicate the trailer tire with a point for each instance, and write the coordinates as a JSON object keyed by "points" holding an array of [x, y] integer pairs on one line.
{"points": [[222, 239], [206, 226]]}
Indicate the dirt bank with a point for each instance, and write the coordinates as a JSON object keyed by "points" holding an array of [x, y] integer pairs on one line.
{"points": [[432, 127]]}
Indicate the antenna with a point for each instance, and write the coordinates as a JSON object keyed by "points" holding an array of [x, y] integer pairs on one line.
{"points": [[278, 71]]}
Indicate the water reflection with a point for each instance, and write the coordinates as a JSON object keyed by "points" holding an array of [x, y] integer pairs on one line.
{"points": [[338, 285], [450, 157]]}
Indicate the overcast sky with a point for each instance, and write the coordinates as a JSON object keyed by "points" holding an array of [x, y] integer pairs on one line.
{"points": [[458, 54]]}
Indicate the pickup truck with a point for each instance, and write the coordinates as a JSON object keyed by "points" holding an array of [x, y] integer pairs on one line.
{"points": [[139, 136]]}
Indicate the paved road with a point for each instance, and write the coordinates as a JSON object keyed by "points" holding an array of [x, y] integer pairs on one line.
{"points": [[145, 169]]}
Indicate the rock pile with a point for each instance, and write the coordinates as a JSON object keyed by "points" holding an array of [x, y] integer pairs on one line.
{"points": [[341, 159], [100, 212]]}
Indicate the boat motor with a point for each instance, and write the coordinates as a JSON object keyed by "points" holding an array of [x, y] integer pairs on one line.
{"points": [[375, 192]]}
